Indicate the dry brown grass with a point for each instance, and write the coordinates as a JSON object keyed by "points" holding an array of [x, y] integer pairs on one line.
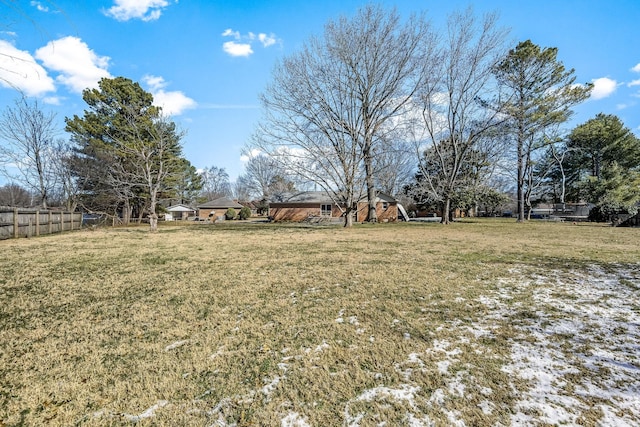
{"points": [[321, 324]]}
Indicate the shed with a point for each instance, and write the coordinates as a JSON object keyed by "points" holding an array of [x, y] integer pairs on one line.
{"points": [[179, 212]]}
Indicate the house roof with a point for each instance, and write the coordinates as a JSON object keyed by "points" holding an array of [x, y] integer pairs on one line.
{"points": [[180, 208], [320, 197], [221, 203]]}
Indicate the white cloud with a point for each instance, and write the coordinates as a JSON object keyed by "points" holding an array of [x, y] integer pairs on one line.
{"points": [[634, 83], [173, 103], [230, 33], [267, 40], [52, 100], [237, 49], [603, 87], [38, 5], [636, 68], [243, 44], [146, 10], [79, 66], [19, 70]]}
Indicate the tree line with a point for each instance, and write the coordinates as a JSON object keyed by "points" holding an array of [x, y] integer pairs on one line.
{"points": [[375, 92], [448, 117]]}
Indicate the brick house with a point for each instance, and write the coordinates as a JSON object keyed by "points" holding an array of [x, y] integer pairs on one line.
{"points": [[318, 204], [217, 208]]}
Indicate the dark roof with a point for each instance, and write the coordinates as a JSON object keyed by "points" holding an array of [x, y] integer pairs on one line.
{"points": [[221, 203]]}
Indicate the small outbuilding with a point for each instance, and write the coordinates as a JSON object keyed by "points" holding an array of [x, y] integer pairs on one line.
{"points": [[179, 212], [318, 204]]}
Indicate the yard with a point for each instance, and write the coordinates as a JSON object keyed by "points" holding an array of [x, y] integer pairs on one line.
{"points": [[479, 323]]}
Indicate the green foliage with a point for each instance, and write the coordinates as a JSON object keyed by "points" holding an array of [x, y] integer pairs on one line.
{"points": [[599, 142], [616, 192], [126, 154], [245, 213], [540, 93], [603, 166], [230, 214]]}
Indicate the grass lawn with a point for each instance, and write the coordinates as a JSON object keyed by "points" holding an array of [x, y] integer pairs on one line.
{"points": [[479, 323]]}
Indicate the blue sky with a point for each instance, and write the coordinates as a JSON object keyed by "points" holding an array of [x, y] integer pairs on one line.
{"points": [[206, 61]]}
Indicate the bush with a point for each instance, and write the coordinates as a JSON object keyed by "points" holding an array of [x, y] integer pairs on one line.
{"points": [[230, 214], [245, 212]]}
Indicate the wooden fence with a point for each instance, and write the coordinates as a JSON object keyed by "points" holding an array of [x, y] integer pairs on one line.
{"points": [[18, 222]]}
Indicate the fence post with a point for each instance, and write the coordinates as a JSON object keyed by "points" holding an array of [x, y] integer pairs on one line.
{"points": [[15, 223], [50, 222], [71, 218], [38, 222]]}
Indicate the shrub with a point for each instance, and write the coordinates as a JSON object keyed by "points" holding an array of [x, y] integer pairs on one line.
{"points": [[245, 212], [230, 214]]}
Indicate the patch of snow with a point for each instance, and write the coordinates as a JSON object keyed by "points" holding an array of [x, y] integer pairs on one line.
{"points": [[293, 419], [322, 347], [151, 412], [586, 325], [175, 345], [443, 366], [268, 389]]}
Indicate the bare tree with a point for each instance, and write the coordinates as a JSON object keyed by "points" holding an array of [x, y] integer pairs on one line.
{"points": [[394, 166], [27, 153], [330, 104], [153, 152], [14, 195], [454, 116], [384, 62], [68, 186], [215, 183], [259, 172]]}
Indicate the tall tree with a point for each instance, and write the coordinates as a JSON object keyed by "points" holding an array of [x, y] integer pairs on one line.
{"points": [[453, 117], [188, 182], [126, 149], [598, 143], [332, 102], [27, 150], [540, 94], [383, 61], [603, 165]]}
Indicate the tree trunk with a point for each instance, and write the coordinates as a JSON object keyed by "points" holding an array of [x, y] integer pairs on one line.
{"points": [[126, 212], [348, 219], [372, 214], [520, 181], [153, 222], [446, 207]]}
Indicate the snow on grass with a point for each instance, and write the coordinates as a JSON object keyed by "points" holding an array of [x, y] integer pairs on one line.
{"points": [[579, 350], [574, 358], [151, 412], [294, 419], [574, 355], [175, 345]]}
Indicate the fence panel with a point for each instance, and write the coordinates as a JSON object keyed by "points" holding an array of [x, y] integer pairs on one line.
{"points": [[19, 222]]}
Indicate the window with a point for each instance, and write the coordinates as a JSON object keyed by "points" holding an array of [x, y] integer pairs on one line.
{"points": [[385, 205], [325, 210]]}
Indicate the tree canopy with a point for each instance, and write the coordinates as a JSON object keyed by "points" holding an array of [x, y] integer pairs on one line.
{"points": [[540, 93], [127, 153]]}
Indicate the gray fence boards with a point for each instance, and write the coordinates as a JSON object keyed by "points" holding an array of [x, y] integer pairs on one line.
{"points": [[19, 222]]}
